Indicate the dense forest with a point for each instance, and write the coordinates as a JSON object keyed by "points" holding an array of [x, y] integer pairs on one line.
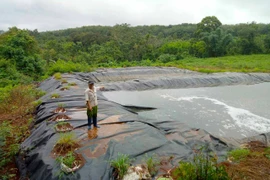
{"points": [[27, 55]]}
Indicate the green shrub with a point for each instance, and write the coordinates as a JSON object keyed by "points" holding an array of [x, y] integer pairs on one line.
{"points": [[67, 67], [57, 76], [121, 165], [68, 160], [204, 167], [40, 93], [164, 58], [239, 154], [37, 103]]}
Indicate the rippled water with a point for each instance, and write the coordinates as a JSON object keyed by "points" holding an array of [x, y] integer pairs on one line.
{"points": [[230, 111]]}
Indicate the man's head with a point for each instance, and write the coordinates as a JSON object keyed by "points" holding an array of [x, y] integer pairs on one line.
{"points": [[90, 84]]}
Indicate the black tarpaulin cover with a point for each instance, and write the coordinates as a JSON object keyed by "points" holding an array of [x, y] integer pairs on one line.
{"points": [[122, 130]]}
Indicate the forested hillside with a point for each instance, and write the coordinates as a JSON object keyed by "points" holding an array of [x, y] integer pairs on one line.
{"points": [[26, 55], [101, 44]]}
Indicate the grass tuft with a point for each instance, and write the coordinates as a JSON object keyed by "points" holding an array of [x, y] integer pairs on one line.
{"points": [[121, 165], [72, 84], [152, 163], [68, 160], [55, 95], [67, 142]]}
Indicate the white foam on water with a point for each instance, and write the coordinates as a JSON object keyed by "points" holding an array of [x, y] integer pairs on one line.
{"points": [[243, 118]]}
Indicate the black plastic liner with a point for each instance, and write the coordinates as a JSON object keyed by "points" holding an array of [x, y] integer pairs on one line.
{"points": [[122, 130]]}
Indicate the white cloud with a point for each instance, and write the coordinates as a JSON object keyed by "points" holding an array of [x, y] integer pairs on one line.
{"points": [[59, 14]]}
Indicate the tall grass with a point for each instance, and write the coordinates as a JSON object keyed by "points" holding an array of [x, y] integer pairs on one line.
{"points": [[240, 63], [121, 165]]}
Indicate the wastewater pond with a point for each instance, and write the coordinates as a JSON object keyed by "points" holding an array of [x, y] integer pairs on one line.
{"points": [[227, 111]]}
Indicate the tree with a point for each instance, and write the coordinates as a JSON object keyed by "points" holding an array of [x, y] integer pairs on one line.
{"points": [[217, 42], [267, 43], [208, 25], [21, 49], [178, 48], [198, 49]]}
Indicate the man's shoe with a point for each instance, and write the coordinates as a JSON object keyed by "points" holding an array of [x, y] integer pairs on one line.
{"points": [[89, 127], [97, 126]]}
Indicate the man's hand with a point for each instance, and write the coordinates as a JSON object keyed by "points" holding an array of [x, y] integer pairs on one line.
{"points": [[101, 88], [90, 108]]}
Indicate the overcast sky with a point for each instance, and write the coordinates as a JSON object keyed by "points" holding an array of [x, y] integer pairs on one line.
{"points": [[60, 14]]}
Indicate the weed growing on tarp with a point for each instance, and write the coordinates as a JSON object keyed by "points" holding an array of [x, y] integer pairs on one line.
{"points": [[120, 165], [55, 95], [67, 142], [57, 76], [152, 162]]}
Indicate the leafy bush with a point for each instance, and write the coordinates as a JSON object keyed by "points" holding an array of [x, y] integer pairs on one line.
{"points": [[68, 160], [164, 58], [121, 165], [203, 167], [57, 76], [68, 66]]}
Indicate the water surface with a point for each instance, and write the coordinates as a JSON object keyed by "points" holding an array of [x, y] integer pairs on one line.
{"points": [[229, 111]]}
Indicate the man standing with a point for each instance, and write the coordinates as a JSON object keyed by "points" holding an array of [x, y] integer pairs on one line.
{"points": [[91, 104]]}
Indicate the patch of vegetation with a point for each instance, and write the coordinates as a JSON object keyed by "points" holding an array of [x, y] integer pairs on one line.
{"points": [[63, 81], [120, 165], [267, 152], [37, 103], [61, 123], [68, 160], [40, 93], [253, 163], [57, 76], [152, 162], [239, 154], [61, 105], [55, 95], [240, 63], [204, 166], [16, 112], [67, 142], [72, 84], [68, 66], [66, 87]]}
